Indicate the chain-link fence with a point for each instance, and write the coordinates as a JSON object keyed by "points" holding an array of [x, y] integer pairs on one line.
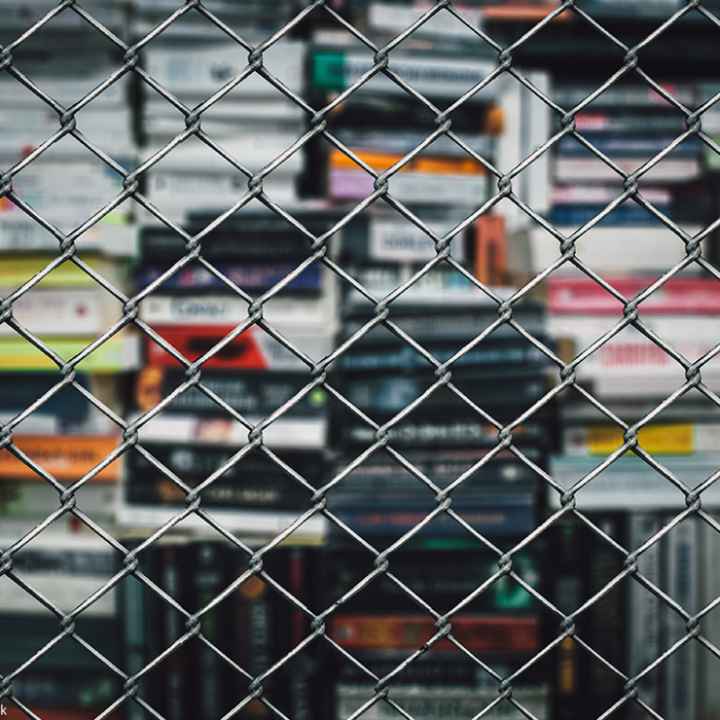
{"points": [[358, 360]]}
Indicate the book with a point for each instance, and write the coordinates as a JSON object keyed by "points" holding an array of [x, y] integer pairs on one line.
{"points": [[196, 69], [249, 234], [708, 692], [490, 356], [504, 516], [381, 472], [644, 610], [389, 393], [253, 349], [624, 95], [448, 77], [120, 353], [284, 432], [17, 269], [657, 439], [421, 180], [19, 234], [593, 169], [66, 411], [441, 703], [446, 317], [633, 250], [253, 483], [393, 239], [253, 278], [618, 146], [493, 633], [388, 17], [456, 431], [629, 483], [250, 393], [64, 312], [681, 668], [66, 458], [227, 310]]}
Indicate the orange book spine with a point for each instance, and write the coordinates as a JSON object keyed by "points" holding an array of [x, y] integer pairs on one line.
{"points": [[66, 458], [431, 165], [496, 633], [490, 259]]}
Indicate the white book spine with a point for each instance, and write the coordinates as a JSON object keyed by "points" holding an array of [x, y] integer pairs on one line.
{"points": [[605, 249], [202, 68], [19, 233], [294, 433], [266, 524], [69, 312], [570, 169], [391, 18], [400, 241]]}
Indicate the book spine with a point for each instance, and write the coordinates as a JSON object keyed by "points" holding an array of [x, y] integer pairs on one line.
{"points": [[681, 666], [252, 625], [64, 457], [507, 355], [605, 617], [709, 688], [70, 313], [460, 432], [572, 169], [135, 645], [175, 666], [436, 703], [490, 250], [390, 240], [411, 186], [566, 587], [256, 238], [495, 633], [392, 393], [253, 394], [208, 581], [253, 278], [120, 353], [263, 493], [336, 71], [506, 521], [251, 350], [644, 612]]}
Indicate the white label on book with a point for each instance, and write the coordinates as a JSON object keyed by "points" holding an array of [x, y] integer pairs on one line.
{"points": [[401, 241]]}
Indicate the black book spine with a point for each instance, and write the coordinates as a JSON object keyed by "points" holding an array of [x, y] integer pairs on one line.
{"points": [[562, 578], [208, 578], [605, 631]]}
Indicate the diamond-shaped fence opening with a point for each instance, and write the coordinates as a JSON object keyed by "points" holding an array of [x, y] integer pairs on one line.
{"points": [[359, 360]]}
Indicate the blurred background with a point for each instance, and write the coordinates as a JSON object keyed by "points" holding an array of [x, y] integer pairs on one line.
{"points": [[349, 383]]}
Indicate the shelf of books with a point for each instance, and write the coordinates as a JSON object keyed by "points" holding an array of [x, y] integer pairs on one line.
{"points": [[337, 421]]}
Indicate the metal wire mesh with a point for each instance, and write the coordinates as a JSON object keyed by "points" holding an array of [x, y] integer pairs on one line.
{"points": [[318, 371]]}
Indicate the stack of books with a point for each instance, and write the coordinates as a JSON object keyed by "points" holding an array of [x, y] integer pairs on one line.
{"points": [[382, 625], [631, 376], [443, 448], [252, 122], [66, 681], [67, 309], [66, 183], [628, 124], [248, 371], [381, 122]]}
